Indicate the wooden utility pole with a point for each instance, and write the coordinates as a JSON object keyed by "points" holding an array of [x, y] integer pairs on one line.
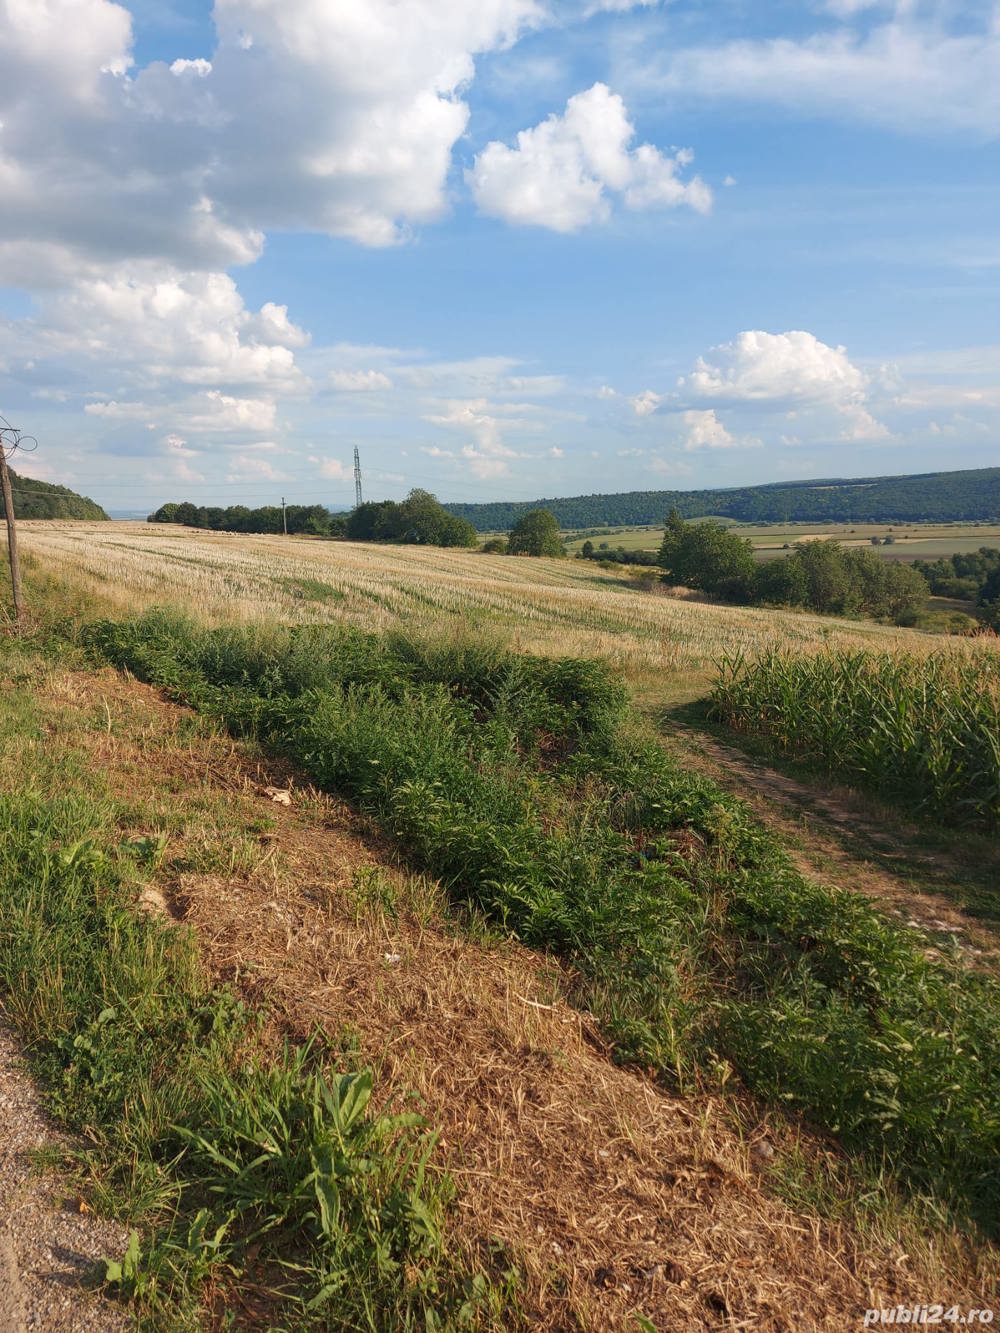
{"points": [[15, 564], [284, 517]]}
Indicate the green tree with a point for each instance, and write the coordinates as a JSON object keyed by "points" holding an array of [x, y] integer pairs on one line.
{"points": [[707, 557], [369, 521], [587, 550], [419, 520], [165, 514], [781, 582], [989, 601], [828, 579], [536, 533]]}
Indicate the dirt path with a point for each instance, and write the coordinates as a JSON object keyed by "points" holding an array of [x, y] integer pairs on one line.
{"points": [[831, 838], [47, 1246]]}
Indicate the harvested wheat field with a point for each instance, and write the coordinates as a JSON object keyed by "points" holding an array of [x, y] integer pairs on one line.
{"points": [[609, 1195], [546, 606]]}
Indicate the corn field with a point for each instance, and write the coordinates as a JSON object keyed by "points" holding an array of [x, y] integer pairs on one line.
{"points": [[922, 730]]}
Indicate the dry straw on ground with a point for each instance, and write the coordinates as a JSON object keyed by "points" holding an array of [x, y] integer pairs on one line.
{"points": [[552, 606], [612, 1195]]}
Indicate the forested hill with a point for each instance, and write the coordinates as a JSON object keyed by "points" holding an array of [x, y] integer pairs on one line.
{"points": [[40, 499], [931, 496]]}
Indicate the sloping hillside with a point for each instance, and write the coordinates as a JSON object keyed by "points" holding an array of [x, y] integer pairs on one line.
{"points": [[42, 499], [941, 497]]}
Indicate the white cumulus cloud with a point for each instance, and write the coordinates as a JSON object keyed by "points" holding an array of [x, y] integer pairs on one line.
{"points": [[783, 368], [794, 373], [564, 173], [645, 404], [704, 430], [328, 117], [157, 324]]}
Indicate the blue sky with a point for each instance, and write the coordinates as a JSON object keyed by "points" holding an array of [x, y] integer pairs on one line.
{"points": [[508, 250]]}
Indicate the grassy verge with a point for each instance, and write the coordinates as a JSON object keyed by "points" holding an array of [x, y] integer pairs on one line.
{"points": [[257, 1174], [529, 789]]}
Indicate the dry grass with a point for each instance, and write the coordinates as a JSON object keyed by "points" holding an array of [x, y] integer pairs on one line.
{"points": [[547, 606], [613, 1195]]}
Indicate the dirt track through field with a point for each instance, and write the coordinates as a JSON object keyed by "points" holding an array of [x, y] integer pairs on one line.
{"points": [[831, 839]]}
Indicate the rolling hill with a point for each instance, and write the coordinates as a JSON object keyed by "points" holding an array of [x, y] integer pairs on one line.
{"points": [[42, 499], [940, 497]]}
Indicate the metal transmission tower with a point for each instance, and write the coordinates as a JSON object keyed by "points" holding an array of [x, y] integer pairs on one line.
{"points": [[357, 478]]}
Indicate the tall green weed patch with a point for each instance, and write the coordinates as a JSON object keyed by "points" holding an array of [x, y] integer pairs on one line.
{"points": [[532, 793]]}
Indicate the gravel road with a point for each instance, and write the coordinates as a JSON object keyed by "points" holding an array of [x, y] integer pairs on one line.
{"points": [[47, 1246]]}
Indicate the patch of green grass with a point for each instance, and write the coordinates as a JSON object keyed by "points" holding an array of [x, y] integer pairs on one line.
{"points": [[240, 1166], [311, 590], [528, 789]]}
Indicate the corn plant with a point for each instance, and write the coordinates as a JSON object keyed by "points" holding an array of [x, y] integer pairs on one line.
{"points": [[925, 731]]}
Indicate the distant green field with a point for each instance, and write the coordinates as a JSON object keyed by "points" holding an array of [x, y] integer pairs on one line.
{"points": [[633, 539], [913, 541]]}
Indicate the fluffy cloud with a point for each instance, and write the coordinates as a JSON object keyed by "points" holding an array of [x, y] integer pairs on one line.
{"points": [[177, 452], [644, 404], [150, 324], [564, 172], [333, 469], [776, 368], [861, 425], [246, 467], [926, 67], [213, 412], [794, 373], [704, 430], [489, 453], [487, 424], [338, 118]]}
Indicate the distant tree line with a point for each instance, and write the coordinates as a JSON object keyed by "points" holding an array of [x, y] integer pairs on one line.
{"points": [[313, 519], [818, 576], [618, 555], [968, 496], [42, 499], [418, 520]]}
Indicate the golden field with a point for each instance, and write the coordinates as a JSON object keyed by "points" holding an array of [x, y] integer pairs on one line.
{"points": [[550, 606]]}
